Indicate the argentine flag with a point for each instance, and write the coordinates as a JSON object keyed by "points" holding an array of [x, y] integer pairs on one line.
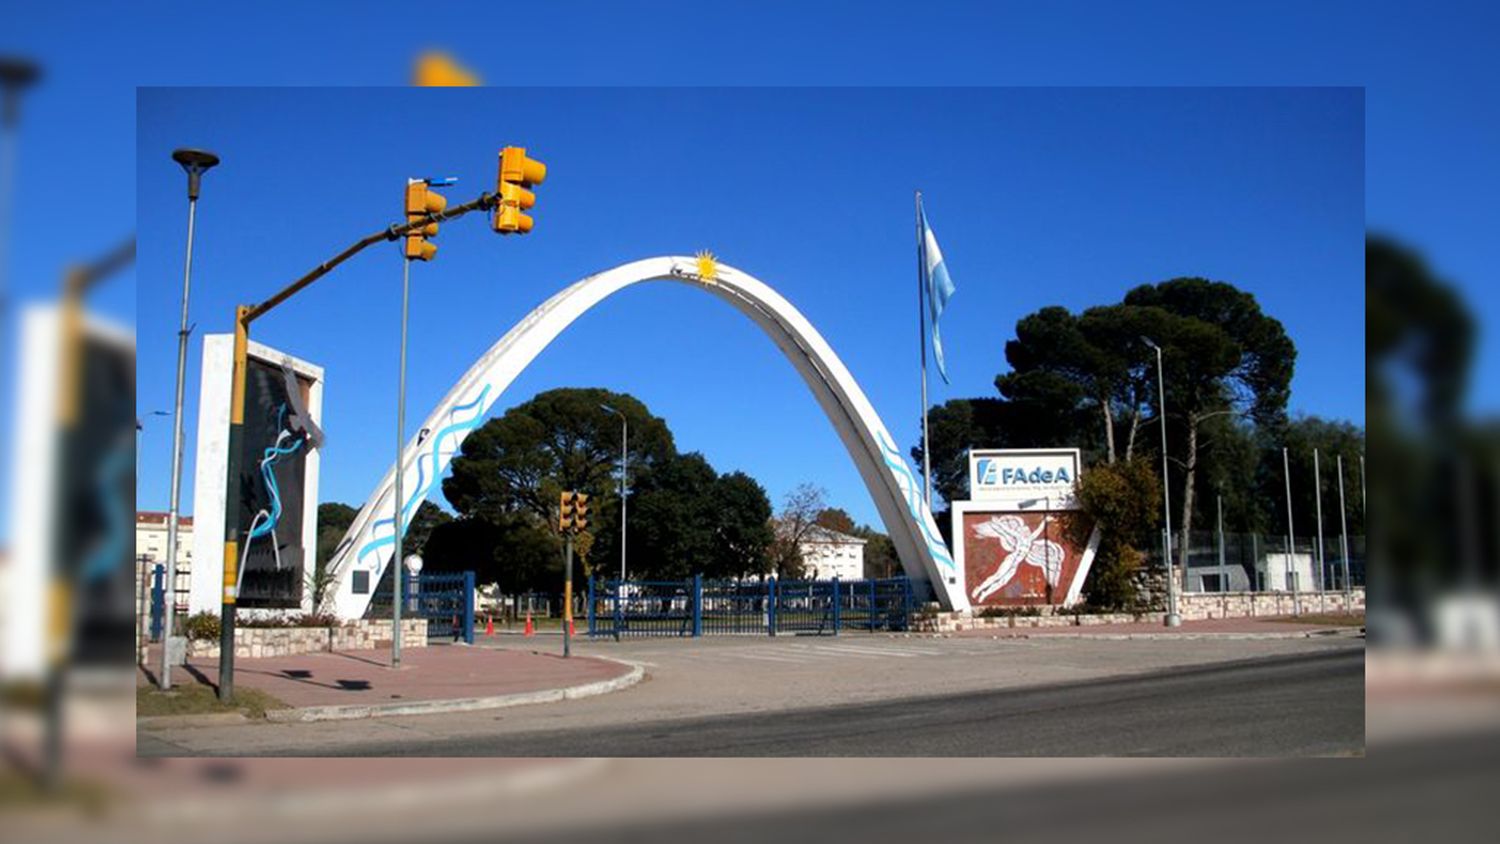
{"points": [[939, 289]]}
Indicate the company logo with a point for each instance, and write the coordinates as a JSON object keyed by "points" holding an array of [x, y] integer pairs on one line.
{"points": [[991, 473]]}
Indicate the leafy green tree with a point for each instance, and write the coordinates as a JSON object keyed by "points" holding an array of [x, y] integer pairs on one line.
{"points": [[1121, 499], [515, 552], [414, 534], [673, 519], [560, 440], [742, 527], [880, 553], [334, 520], [1222, 356]]}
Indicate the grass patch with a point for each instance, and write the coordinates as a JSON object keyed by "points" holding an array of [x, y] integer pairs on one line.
{"points": [[24, 791], [198, 699], [1327, 619]]}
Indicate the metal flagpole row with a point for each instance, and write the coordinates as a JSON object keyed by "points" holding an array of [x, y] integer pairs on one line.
{"points": [[1291, 570]]}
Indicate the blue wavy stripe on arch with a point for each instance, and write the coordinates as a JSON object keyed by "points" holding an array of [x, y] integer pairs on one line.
{"points": [[893, 459], [423, 482]]}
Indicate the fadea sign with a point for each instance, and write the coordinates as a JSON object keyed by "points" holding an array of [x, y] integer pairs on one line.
{"points": [[1025, 477]]}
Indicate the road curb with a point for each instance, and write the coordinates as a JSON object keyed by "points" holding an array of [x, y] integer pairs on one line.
{"points": [[214, 719], [1116, 637], [433, 707], [345, 712]]}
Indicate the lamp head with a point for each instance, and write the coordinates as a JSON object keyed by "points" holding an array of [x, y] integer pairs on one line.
{"points": [[196, 162]]}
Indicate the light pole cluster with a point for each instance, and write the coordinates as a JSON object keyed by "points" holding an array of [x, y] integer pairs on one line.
{"points": [[1173, 617]]}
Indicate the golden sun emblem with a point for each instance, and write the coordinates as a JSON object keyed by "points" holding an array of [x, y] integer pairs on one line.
{"points": [[708, 266]]}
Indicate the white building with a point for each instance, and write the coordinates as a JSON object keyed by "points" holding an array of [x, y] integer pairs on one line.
{"points": [[151, 548], [827, 554]]}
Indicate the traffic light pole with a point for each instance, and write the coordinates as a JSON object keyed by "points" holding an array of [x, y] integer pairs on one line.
{"points": [[62, 607], [568, 599], [243, 316], [396, 493]]}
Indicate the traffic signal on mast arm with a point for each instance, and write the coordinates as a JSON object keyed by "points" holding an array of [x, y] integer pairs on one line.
{"points": [[517, 175], [565, 512], [422, 202]]}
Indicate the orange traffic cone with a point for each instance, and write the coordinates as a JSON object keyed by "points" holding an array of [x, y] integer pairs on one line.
{"points": [[530, 629], [489, 626]]}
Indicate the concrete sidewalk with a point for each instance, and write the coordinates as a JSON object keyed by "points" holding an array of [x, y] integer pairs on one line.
{"points": [[1264, 627], [358, 684]]}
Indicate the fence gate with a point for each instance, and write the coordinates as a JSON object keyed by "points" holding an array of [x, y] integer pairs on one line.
{"points": [[446, 600], [697, 607], [158, 601]]}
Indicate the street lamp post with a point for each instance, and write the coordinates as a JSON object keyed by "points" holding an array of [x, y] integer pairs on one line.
{"points": [[395, 566], [624, 458], [1291, 566], [195, 162], [1173, 619], [16, 75]]}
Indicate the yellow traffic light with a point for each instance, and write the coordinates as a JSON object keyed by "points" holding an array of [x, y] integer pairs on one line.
{"points": [[580, 511], [421, 203], [440, 70], [517, 174], [573, 511]]}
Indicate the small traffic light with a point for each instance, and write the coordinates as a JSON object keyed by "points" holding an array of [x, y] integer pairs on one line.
{"points": [[517, 174], [421, 203], [580, 511], [573, 511]]}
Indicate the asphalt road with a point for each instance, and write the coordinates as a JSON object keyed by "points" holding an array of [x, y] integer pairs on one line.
{"points": [[1289, 705]]}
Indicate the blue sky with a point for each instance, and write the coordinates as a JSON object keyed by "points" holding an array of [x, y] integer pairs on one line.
{"points": [[1038, 197], [1430, 112]]}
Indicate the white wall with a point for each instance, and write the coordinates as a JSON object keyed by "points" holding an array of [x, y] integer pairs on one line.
{"points": [[211, 467]]}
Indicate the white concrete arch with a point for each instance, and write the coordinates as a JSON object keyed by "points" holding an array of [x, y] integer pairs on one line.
{"points": [[895, 489]]}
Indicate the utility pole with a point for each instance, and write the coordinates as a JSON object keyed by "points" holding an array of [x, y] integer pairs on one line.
{"points": [[1344, 539], [395, 566], [195, 162], [1173, 619], [624, 464], [1318, 499], [1291, 571]]}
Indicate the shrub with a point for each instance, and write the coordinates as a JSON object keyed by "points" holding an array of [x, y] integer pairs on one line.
{"points": [[1010, 612], [202, 626], [1121, 497]]}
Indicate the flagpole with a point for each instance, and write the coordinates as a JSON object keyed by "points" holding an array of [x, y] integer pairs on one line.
{"points": [[922, 345]]}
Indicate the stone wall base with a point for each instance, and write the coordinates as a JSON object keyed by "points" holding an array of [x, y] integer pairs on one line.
{"points": [[1197, 606], [363, 634]]}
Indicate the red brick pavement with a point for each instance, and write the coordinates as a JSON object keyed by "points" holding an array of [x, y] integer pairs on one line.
{"points": [[431, 673]]}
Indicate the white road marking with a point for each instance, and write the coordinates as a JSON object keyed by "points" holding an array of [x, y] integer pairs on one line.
{"points": [[853, 649], [769, 658]]}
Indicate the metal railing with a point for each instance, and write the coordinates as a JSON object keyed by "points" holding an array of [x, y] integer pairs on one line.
{"points": [[696, 607]]}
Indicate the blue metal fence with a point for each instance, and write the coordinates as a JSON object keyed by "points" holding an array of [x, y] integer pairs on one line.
{"points": [[445, 599], [158, 601], [698, 607]]}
